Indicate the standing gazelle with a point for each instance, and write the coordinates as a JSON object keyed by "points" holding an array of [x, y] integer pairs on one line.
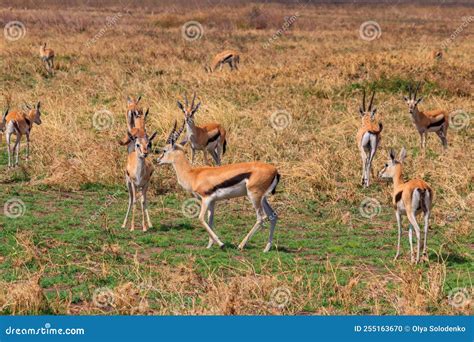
{"points": [[427, 121], [47, 56], [230, 57], [207, 138], [409, 198], [368, 137], [255, 180], [20, 124], [137, 175]]}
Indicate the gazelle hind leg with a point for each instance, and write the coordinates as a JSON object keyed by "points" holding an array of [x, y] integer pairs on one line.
{"points": [[16, 149], [410, 239], [412, 219], [9, 149], [210, 220], [363, 155], [257, 204], [272, 217], [142, 203], [204, 206], [399, 224], [130, 201]]}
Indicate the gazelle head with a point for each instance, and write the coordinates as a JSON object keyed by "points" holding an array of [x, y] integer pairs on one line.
{"points": [[189, 110], [368, 112], [142, 143], [393, 166], [169, 152], [133, 108], [34, 113], [411, 100]]}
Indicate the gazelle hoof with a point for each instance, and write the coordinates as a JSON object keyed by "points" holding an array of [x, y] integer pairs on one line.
{"points": [[267, 248], [222, 246]]}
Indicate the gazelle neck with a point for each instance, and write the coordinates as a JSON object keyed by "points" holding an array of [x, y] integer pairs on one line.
{"points": [[183, 171], [190, 128], [397, 178]]}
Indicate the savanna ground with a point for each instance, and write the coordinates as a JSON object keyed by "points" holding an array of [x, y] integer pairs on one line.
{"points": [[65, 253]]}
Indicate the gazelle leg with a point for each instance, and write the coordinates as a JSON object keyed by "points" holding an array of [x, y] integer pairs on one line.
{"points": [[206, 159], [412, 219], [410, 239], [364, 163], [399, 223], [17, 149], [214, 156], [257, 204], [193, 152], [426, 226], [442, 137], [144, 191], [27, 146], [130, 200], [210, 220], [204, 205], [134, 193], [142, 204], [8, 139], [272, 217]]}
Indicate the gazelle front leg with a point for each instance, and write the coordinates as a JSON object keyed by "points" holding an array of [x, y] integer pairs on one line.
{"points": [[134, 193], [145, 201], [399, 223], [9, 149], [130, 200], [206, 159], [142, 204], [193, 152], [27, 146], [204, 205], [272, 217]]}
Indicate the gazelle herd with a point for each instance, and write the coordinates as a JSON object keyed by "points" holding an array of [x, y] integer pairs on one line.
{"points": [[255, 180]]}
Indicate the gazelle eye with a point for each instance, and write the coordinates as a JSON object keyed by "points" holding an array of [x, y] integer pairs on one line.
{"points": [[386, 165]]}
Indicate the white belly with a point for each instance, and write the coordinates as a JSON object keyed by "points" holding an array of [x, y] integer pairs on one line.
{"points": [[237, 190]]}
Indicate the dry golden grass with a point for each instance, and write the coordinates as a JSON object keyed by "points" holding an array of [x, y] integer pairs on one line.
{"points": [[314, 72]]}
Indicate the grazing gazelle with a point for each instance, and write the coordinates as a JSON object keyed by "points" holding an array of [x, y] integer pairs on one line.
{"points": [[368, 137], [409, 198], [137, 175], [255, 180], [207, 138], [427, 121], [47, 56], [19, 123], [230, 57], [437, 54]]}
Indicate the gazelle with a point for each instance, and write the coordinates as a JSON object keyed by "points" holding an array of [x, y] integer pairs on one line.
{"points": [[230, 57], [20, 124], [409, 198], [368, 137], [207, 138], [138, 172], [135, 118], [255, 180], [437, 54], [427, 121], [47, 56]]}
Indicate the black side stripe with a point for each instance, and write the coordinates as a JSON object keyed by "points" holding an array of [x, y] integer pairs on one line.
{"points": [[229, 182], [437, 123], [398, 196], [214, 138]]}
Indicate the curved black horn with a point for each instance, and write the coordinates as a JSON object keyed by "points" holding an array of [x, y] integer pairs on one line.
{"points": [[170, 137], [416, 90], [371, 101], [194, 98], [409, 91], [363, 100], [186, 100]]}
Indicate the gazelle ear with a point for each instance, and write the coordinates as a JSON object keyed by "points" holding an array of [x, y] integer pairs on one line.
{"points": [[403, 154], [391, 153], [405, 98], [130, 136], [152, 136], [180, 106], [372, 114], [138, 100], [146, 113], [419, 100], [38, 105], [361, 111], [129, 100]]}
